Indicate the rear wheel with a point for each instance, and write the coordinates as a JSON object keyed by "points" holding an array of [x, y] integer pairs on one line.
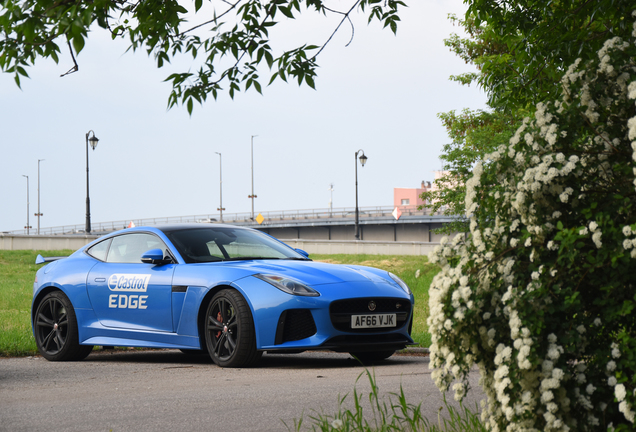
{"points": [[372, 356], [55, 328], [229, 331]]}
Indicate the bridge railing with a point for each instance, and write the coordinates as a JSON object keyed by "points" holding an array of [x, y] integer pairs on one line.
{"points": [[231, 218]]}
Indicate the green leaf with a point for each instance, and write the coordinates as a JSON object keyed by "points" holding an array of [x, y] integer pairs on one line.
{"points": [[78, 43], [310, 82], [287, 12]]}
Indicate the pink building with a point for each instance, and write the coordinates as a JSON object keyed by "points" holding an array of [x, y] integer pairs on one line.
{"points": [[409, 198]]}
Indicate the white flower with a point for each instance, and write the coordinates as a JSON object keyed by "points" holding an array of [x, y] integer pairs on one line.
{"points": [[611, 366], [596, 238], [597, 322], [336, 424], [528, 242], [581, 329], [547, 396], [611, 381], [627, 230], [593, 225], [632, 90], [583, 231], [620, 392], [615, 351]]}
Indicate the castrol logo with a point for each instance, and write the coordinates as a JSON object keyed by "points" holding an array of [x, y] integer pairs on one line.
{"points": [[128, 282]]}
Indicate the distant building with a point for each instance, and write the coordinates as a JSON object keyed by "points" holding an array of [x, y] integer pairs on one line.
{"points": [[409, 198]]}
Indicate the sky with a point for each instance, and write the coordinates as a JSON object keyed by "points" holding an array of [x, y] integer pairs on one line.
{"points": [[381, 93]]}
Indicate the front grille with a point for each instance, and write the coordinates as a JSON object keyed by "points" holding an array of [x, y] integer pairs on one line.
{"points": [[295, 324], [341, 311]]}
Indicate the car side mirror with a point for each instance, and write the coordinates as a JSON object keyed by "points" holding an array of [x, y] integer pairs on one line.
{"points": [[302, 252], [155, 256]]}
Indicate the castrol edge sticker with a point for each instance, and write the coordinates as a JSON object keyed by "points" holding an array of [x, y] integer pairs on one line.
{"points": [[128, 282]]}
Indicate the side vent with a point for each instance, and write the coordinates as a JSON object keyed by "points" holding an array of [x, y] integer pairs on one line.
{"points": [[295, 324]]}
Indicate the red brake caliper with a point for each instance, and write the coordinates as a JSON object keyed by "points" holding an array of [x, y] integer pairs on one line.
{"points": [[219, 318]]}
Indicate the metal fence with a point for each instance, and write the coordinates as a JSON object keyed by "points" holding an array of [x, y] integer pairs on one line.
{"points": [[232, 218]]}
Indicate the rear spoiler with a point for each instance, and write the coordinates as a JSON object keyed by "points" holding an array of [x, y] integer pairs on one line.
{"points": [[41, 260]]}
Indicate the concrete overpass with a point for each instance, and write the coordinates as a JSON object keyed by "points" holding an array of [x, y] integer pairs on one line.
{"points": [[317, 231]]}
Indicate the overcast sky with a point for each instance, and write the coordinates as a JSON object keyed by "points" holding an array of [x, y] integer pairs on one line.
{"points": [[380, 94]]}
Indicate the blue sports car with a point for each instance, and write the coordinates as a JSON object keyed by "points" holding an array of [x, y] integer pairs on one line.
{"points": [[222, 290]]}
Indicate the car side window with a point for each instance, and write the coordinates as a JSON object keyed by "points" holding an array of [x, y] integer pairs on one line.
{"points": [[99, 250], [129, 248]]}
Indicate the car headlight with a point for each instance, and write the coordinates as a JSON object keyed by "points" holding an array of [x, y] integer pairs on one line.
{"points": [[401, 283], [288, 285]]}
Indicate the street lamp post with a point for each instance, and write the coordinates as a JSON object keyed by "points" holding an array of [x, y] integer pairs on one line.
{"points": [[92, 140], [27, 225], [39, 213], [331, 199], [252, 196], [363, 160], [220, 209]]}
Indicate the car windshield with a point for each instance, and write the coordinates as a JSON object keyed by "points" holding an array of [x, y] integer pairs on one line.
{"points": [[197, 245]]}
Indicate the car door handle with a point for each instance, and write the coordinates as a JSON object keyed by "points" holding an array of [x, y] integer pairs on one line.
{"points": [[100, 279]]}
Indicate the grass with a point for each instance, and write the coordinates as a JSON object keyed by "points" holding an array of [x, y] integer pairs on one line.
{"points": [[394, 414], [17, 273], [18, 268], [406, 267]]}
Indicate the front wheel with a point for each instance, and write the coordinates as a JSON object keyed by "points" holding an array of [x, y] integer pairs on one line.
{"points": [[229, 331], [55, 328]]}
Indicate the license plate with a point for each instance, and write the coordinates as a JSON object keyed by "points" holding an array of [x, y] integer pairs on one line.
{"points": [[373, 321]]}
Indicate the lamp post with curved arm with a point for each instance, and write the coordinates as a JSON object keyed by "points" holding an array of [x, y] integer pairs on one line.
{"points": [[363, 160], [92, 140]]}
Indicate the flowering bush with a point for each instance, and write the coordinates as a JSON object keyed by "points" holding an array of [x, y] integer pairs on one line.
{"points": [[541, 295]]}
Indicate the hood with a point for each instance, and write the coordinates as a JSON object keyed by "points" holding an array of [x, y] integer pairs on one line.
{"points": [[315, 273]]}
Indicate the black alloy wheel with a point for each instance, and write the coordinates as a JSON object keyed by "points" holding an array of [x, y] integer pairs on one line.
{"points": [[229, 331], [55, 328]]}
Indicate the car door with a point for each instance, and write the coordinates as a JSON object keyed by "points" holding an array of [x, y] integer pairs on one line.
{"points": [[126, 293]]}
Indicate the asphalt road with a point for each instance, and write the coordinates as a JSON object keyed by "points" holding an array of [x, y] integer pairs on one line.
{"points": [[165, 390]]}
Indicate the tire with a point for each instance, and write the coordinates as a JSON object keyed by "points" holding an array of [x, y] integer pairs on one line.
{"points": [[372, 356], [229, 331], [55, 329]]}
